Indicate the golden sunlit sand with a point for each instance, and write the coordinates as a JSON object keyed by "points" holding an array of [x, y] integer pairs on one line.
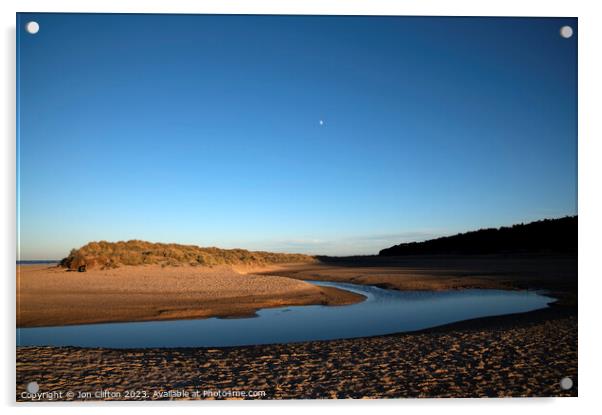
{"points": [[53, 296], [522, 354]]}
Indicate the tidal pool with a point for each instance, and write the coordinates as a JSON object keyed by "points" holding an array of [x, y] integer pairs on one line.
{"points": [[383, 312]]}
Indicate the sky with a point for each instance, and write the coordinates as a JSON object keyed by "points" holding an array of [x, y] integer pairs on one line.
{"points": [[312, 134]]}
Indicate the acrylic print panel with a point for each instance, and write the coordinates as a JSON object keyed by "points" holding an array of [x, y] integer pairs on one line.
{"points": [[295, 207]]}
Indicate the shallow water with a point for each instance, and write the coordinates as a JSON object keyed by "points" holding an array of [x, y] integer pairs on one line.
{"points": [[383, 312]]}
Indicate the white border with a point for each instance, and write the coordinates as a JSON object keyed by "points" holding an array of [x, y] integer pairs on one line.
{"points": [[590, 206]]}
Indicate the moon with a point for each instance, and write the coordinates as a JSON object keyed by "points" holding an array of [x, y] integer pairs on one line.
{"points": [[321, 122]]}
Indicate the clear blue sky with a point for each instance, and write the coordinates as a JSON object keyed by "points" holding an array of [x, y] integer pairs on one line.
{"points": [[206, 129]]}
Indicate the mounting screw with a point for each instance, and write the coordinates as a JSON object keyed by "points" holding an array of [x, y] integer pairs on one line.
{"points": [[566, 383]]}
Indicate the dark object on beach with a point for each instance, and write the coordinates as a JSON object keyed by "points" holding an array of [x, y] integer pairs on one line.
{"points": [[544, 236], [81, 268]]}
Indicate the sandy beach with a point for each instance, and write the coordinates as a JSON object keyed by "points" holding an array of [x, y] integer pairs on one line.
{"points": [[326, 205], [511, 356], [557, 274], [51, 296], [514, 355]]}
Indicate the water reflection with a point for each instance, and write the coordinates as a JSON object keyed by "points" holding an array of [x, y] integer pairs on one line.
{"points": [[383, 312]]}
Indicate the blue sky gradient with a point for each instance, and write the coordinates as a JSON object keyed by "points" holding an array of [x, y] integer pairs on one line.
{"points": [[206, 129]]}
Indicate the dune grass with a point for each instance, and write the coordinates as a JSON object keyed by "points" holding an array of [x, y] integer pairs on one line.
{"points": [[106, 255]]}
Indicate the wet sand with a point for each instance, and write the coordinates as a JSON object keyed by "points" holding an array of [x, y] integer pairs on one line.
{"points": [[52, 296], [523, 355], [515, 355], [556, 274], [49, 296]]}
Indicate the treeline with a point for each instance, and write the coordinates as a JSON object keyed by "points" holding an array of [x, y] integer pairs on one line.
{"points": [[114, 254], [548, 235]]}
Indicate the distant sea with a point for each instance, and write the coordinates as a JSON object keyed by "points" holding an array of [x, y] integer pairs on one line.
{"points": [[38, 261]]}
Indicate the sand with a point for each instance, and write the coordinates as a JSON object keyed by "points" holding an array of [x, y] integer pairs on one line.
{"points": [[516, 356], [52, 296], [556, 274], [48, 295]]}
